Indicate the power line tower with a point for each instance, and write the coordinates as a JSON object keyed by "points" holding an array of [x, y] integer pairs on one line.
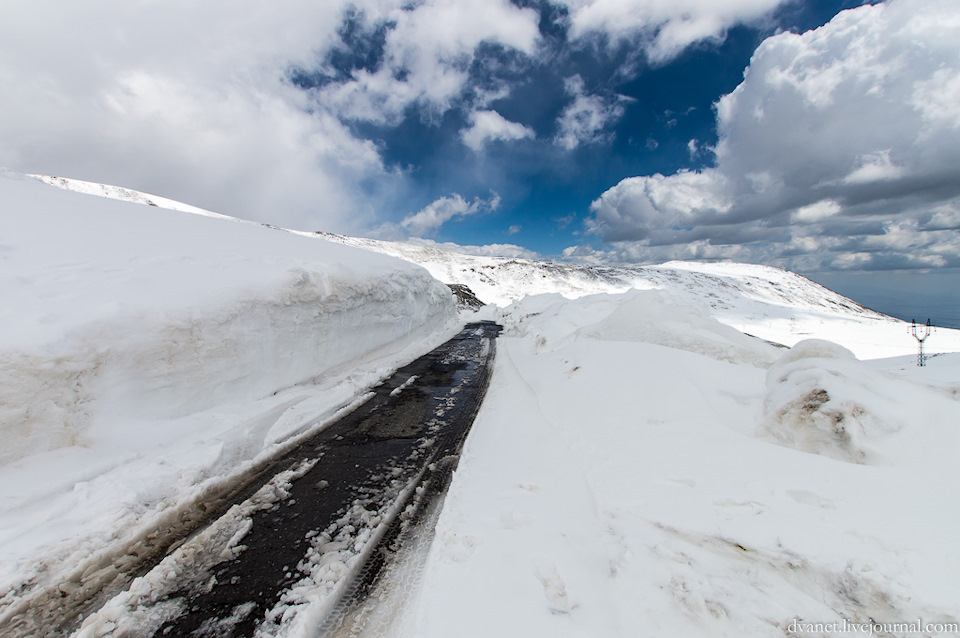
{"points": [[920, 334]]}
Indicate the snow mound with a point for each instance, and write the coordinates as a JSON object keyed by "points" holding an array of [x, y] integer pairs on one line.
{"points": [[658, 317], [644, 316], [634, 498], [821, 399]]}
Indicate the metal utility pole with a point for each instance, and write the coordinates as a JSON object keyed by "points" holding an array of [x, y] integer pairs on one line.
{"points": [[924, 333]]}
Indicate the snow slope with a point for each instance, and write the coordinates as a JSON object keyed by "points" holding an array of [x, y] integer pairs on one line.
{"points": [[631, 475], [146, 354], [129, 195], [767, 302]]}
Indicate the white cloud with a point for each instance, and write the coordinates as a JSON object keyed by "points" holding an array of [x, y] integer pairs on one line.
{"points": [[665, 27], [514, 229], [190, 100], [658, 206], [831, 135], [487, 126], [874, 167], [585, 119], [431, 217], [426, 55], [182, 99], [937, 100], [817, 211]]}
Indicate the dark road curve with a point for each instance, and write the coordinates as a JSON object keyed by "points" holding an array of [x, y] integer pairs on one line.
{"points": [[369, 475]]}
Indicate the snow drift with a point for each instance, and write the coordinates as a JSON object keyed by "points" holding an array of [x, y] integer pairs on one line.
{"points": [[117, 311], [809, 404], [642, 316]]}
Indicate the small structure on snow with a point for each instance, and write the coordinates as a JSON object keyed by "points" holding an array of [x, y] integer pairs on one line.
{"points": [[920, 335]]}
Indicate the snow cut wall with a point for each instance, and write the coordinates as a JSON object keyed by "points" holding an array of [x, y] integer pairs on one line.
{"points": [[120, 313]]}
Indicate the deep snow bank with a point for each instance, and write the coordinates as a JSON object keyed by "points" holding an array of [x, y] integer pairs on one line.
{"points": [[145, 353], [114, 310]]}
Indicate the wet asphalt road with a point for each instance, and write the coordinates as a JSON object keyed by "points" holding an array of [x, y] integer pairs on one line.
{"points": [[395, 452]]}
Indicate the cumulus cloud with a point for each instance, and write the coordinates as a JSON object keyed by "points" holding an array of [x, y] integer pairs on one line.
{"points": [[181, 99], [842, 140], [586, 118], [663, 27], [428, 220], [194, 102], [659, 208], [205, 105], [427, 52], [488, 126]]}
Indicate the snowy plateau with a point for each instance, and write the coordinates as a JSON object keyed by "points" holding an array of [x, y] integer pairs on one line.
{"points": [[687, 449]]}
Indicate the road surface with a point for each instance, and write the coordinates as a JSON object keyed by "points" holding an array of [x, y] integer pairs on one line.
{"points": [[307, 538]]}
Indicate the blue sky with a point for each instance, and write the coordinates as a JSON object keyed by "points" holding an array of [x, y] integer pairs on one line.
{"points": [[546, 189], [819, 136]]}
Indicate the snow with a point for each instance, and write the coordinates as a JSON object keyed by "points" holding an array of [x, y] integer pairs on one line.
{"points": [[147, 355], [619, 483], [688, 449], [127, 195], [770, 303]]}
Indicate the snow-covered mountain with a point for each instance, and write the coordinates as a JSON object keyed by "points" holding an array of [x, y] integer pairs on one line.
{"points": [[771, 303], [649, 460], [501, 281], [767, 302]]}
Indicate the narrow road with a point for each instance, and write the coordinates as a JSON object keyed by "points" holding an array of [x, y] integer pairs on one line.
{"points": [[310, 542]]}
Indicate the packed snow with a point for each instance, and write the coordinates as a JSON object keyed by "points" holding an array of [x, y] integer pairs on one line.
{"points": [[688, 449]]}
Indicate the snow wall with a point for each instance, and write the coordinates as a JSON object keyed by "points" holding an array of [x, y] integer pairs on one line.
{"points": [[122, 313]]}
